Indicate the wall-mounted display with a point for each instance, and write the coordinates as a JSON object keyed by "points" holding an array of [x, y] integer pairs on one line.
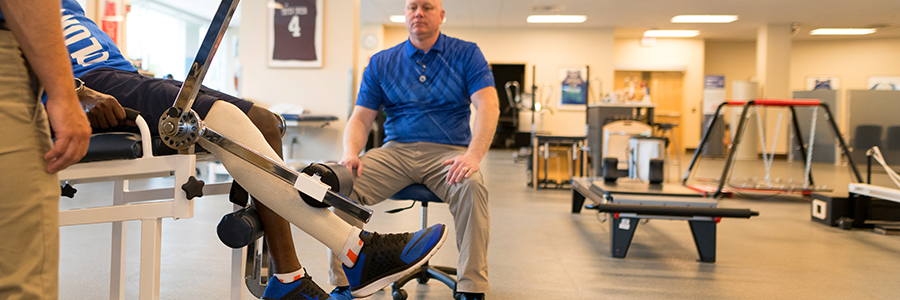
{"points": [[295, 33], [884, 83], [822, 83]]}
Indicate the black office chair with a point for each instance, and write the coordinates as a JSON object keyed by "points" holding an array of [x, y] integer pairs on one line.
{"points": [[421, 193]]}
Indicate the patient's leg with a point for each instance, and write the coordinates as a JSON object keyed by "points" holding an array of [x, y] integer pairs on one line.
{"points": [[276, 194], [278, 230], [371, 260]]}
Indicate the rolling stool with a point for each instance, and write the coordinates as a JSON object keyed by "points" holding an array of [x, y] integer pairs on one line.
{"points": [[667, 131], [420, 193]]}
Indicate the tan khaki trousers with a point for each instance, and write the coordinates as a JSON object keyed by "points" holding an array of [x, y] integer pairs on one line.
{"points": [[29, 197], [389, 169]]}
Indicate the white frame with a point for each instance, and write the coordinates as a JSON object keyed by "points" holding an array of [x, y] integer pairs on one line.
{"points": [[270, 31]]}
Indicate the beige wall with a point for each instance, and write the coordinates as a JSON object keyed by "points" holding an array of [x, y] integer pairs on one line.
{"points": [[735, 60], [852, 60], [548, 50], [326, 90], [668, 54]]}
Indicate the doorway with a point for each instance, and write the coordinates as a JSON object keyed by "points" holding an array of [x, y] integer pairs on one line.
{"points": [[666, 92]]}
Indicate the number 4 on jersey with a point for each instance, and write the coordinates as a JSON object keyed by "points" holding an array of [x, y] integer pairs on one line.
{"points": [[294, 26]]}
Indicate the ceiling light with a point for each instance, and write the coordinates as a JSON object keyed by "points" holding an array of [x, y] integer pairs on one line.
{"points": [[704, 18], [556, 18], [398, 18], [842, 31], [671, 33]]}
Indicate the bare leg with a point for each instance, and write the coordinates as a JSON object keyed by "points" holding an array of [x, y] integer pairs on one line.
{"points": [[278, 230]]}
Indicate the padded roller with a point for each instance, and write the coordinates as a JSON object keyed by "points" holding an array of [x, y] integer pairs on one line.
{"points": [[240, 228]]}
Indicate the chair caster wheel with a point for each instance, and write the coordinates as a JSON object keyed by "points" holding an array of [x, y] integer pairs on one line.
{"points": [[400, 295], [422, 280]]}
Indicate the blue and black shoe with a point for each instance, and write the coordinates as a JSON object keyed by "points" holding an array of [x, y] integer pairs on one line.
{"points": [[384, 258], [341, 293], [303, 289]]}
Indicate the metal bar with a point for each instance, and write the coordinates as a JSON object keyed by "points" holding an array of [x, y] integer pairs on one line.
{"points": [[679, 211], [844, 148], [208, 47], [703, 141], [734, 148], [800, 140], [211, 138]]}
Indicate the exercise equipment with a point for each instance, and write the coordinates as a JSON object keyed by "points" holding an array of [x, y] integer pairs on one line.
{"points": [[867, 201], [768, 183], [628, 201]]}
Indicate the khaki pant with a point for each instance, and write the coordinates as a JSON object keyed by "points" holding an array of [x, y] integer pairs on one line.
{"points": [[389, 169], [29, 197]]}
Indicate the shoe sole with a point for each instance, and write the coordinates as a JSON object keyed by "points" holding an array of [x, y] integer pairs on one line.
{"points": [[370, 289]]}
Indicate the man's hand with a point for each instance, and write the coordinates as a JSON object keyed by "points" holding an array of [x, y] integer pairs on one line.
{"points": [[103, 110], [352, 162], [72, 131], [461, 167]]}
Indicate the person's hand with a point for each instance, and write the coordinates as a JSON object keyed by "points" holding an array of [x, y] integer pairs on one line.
{"points": [[352, 162], [72, 131], [103, 110], [461, 167]]}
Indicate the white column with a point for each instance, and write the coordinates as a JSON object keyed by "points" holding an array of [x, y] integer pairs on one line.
{"points": [[773, 71]]}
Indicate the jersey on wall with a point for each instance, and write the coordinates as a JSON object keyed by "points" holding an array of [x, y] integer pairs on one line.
{"points": [[295, 33]]}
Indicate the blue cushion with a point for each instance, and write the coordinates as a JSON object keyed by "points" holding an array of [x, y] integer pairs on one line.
{"points": [[417, 192]]}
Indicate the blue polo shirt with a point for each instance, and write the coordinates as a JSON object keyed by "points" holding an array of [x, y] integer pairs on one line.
{"points": [[426, 96]]}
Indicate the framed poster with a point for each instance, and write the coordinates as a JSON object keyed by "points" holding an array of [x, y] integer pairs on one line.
{"points": [[573, 87], [295, 34], [823, 83], [713, 93], [884, 83]]}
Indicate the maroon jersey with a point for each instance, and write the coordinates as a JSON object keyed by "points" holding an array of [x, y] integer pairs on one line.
{"points": [[295, 30]]}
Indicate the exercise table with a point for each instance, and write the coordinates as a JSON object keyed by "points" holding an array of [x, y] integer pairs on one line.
{"points": [[629, 201]]}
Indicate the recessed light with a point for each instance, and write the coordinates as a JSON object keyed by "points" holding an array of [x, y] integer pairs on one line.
{"points": [[704, 18], [398, 18], [556, 18], [671, 33], [842, 31]]}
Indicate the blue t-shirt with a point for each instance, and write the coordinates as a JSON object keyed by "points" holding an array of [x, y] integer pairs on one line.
{"points": [[89, 47], [426, 96]]}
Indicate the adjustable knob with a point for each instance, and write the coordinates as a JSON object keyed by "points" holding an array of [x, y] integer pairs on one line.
{"points": [[68, 191], [193, 188]]}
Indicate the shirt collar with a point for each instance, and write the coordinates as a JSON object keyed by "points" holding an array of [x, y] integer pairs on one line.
{"points": [[438, 46]]}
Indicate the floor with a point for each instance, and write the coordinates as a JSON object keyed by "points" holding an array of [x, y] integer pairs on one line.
{"points": [[540, 250]]}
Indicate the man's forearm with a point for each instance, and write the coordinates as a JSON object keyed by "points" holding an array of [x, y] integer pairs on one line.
{"points": [[484, 127], [37, 27], [355, 136]]}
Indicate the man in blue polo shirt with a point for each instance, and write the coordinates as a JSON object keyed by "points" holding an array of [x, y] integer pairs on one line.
{"points": [[425, 86]]}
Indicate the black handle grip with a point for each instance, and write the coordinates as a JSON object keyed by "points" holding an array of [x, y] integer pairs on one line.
{"points": [[131, 114]]}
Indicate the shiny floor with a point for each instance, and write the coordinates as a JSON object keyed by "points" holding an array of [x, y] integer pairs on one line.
{"points": [[540, 250]]}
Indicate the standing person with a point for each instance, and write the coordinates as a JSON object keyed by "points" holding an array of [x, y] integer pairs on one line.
{"points": [[32, 54], [425, 85]]}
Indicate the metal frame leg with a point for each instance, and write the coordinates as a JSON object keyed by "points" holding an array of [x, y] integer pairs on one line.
{"points": [[622, 232], [151, 239], [577, 201], [117, 253], [704, 233]]}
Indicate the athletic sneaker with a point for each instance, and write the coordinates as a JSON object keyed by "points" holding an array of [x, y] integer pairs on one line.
{"points": [[302, 289], [468, 296], [384, 258], [341, 293]]}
